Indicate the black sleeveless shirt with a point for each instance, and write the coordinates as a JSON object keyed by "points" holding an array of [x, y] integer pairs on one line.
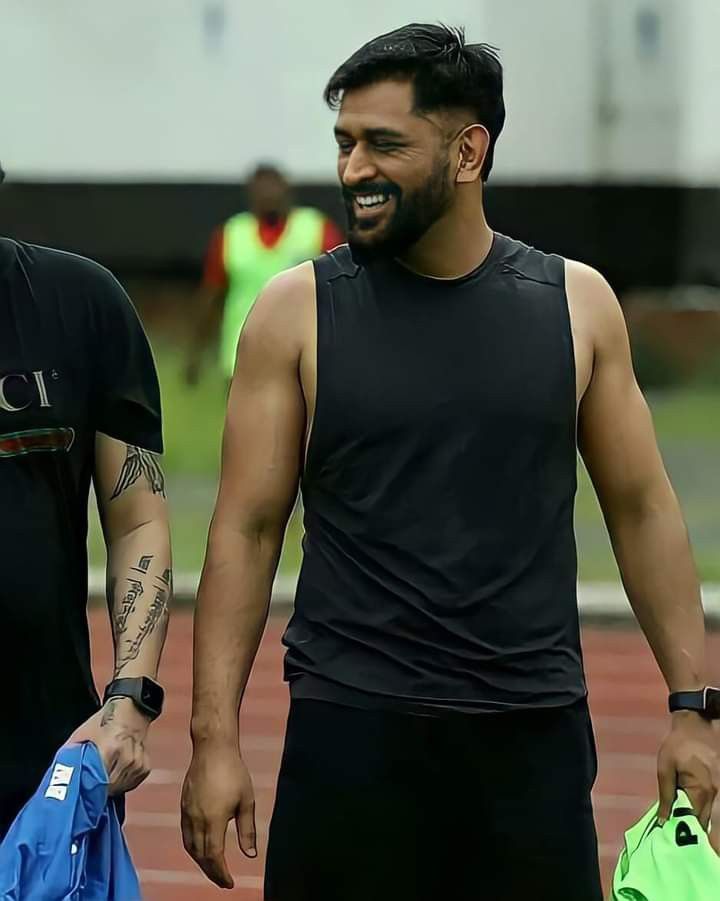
{"points": [[439, 564]]}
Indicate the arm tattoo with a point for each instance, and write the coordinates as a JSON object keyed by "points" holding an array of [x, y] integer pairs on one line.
{"points": [[127, 605], [143, 564], [156, 616], [139, 462], [108, 714], [124, 607], [121, 735]]}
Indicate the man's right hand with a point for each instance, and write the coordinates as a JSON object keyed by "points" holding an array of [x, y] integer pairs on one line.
{"points": [[217, 789]]}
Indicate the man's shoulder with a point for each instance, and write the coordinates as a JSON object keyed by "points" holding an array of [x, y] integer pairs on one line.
{"points": [[37, 261], [524, 260], [335, 264], [286, 294], [283, 315]]}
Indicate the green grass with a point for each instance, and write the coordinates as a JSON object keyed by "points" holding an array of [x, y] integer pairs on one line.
{"points": [[687, 422], [193, 417]]}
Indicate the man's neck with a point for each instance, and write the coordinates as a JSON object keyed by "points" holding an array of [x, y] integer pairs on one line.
{"points": [[273, 219], [454, 246]]}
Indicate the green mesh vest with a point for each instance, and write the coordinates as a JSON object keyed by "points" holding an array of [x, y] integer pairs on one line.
{"points": [[249, 265], [674, 862]]}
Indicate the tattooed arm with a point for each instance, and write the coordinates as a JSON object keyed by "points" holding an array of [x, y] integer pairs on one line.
{"points": [[130, 489]]}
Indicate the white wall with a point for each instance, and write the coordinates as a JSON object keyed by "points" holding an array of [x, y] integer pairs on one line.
{"points": [[700, 160], [148, 89], [201, 89], [547, 51]]}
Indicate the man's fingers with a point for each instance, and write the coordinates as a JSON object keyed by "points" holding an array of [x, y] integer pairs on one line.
{"points": [[187, 827], [667, 784], [209, 857], [715, 822], [701, 793], [246, 832], [130, 767], [704, 816], [212, 860], [110, 755], [706, 800], [138, 772]]}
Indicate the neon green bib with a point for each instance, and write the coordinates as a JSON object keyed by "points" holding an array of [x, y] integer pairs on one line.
{"points": [[672, 863], [250, 265]]}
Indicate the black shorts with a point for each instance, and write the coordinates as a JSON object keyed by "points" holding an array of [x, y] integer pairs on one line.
{"points": [[378, 806]]}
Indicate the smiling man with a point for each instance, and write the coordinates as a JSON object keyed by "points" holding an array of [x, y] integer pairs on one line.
{"points": [[427, 386]]}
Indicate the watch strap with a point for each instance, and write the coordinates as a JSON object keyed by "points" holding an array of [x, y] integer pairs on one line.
{"points": [[145, 693], [687, 700]]}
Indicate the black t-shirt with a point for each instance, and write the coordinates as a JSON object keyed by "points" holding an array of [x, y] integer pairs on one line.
{"points": [[74, 360], [439, 568]]}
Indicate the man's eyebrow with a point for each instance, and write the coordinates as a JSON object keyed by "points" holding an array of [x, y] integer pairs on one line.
{"points": [[373, 134]]}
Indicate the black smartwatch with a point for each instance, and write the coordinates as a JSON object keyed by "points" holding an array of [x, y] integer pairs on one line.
{"points": [[706, 702], [144, 692]]}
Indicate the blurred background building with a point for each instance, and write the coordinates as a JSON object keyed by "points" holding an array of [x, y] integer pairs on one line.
{"points": [[127, 132]]}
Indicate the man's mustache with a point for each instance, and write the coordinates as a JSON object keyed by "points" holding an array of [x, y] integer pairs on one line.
{"points": [[371, 187]]}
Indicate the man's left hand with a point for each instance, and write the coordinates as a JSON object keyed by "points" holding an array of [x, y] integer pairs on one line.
{"points": [[689, 760], [118, 730]]}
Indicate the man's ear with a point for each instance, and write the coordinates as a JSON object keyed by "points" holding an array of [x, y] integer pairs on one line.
{"points": [[472, 150]]}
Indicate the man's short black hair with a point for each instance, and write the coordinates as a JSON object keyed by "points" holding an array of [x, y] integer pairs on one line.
{"points": [[446, 74], [267, 169]]}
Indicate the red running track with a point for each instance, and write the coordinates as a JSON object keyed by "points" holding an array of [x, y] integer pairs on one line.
{"points": [[627, 698]]}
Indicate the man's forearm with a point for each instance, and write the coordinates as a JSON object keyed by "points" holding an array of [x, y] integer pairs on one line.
{"points": [[659, 574], [232, 608], [210, 302], [139, 591]]}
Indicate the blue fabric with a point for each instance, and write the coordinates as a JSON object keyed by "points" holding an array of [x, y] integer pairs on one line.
{"points": [[66, 843]]}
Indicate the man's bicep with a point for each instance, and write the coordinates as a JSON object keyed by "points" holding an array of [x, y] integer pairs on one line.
{"points": [[615, 430], [129, 485], [265, 424]]}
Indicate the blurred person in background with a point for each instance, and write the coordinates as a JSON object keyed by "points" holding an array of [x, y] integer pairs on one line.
{"points": [[79, 400], [428, 387], [244, 254]]}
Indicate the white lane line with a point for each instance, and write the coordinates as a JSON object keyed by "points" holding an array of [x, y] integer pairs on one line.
{"points": [[621, 802], [616, 760], [188, 877], [165, 777], [154, 819], [261, 742], [631, 725]]}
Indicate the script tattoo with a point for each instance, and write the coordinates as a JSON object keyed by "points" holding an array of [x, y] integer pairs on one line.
{"points": [[143, 564], [156, 616], [127, 605], [139, 462]]}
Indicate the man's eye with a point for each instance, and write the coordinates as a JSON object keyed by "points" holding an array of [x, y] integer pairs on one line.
{"points": [[386, 146], [344, 147]]}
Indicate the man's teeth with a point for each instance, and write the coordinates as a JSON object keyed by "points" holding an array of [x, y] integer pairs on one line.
{"points": [[369, 200]]}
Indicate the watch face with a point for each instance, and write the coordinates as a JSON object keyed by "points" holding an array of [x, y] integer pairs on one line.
{"points": [[712, 703], [152, 694]]}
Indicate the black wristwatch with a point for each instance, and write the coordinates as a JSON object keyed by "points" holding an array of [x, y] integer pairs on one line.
{"points": [[145, 693], [706, 702]]}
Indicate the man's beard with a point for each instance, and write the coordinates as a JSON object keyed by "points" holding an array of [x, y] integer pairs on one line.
{"points": [[415, 212]]}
